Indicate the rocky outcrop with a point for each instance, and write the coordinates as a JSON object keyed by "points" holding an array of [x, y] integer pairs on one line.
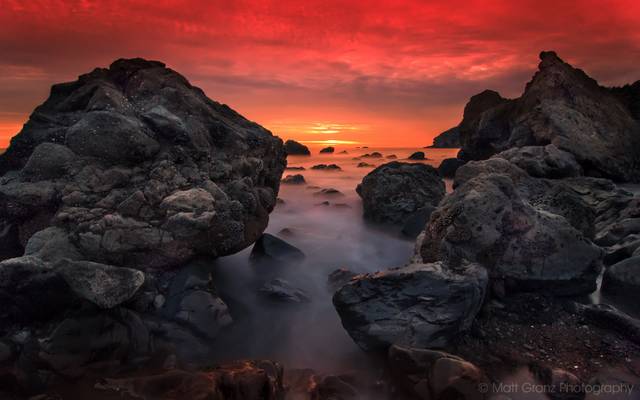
{"points": [[393, 192], [449, 139], [562, 106], [543, 161], [117, 182], [421, 305], [139, 168], [529, 233], [291, 147], [327, 150]]}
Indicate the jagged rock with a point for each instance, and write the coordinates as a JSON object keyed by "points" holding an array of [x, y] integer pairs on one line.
{"points": [[107, 158], [273, 248], [339, 278], [562, 106], [623, 278], [449, 139], [104, 285], [532, 245], [449, 166], [429, 374], [418, 155], [292, 147], [543, 161], [423, 305], [281, 290], [394, 191], [328, 150], [327, 167], [240, 380], [296, 179]]}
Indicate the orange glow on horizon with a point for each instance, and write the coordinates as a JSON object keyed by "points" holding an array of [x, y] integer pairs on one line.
{"points": [[387, 73]]}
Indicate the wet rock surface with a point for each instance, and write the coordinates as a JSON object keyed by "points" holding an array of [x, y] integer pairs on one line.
{"points": [[393, 192], [420, 305]]}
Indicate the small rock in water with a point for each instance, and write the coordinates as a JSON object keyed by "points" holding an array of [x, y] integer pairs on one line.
{"points": [[341, 205], [281, 290], [392, 156], [344, 152], [328, 150], [365, 165], [286, 232], [375, 154], [324, 203], [294, 148], [329, 192], [271, 247], [418, 155], [295, 168], [296, 179], [327, 167]]}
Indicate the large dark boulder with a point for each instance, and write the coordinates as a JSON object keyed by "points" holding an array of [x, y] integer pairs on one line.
{"points": [[530, 233], [543, 161], [291, 147], [449, 166], [562, 106], [421, 305], [393, 192], [139, 168]]}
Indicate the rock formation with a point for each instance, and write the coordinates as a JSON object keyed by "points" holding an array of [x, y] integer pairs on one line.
{"points": [[562, 106], [114, 185], [394, 191], [420, 305], [329, 149], [449, 139], [291, 147]]}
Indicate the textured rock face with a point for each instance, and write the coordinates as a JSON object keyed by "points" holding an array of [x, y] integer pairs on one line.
{"points": [[296, 149], [422, 305], [562, 106], [140, 169], [525, 231], [449, 139], [543, 161], [394, 191]]}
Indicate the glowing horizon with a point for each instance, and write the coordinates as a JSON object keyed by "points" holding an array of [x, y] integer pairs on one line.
{"points": [[393, 73]]}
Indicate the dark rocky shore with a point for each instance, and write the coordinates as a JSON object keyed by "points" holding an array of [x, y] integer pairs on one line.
{"points": [[126, 183]]}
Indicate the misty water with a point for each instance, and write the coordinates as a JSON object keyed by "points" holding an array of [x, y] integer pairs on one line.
{"points": [[310, 335]]}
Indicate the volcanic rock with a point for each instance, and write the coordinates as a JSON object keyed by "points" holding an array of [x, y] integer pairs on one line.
{"points": [[422, 305], [562, 106], [296, 179], [291, 147], [418, 155], [271, 247], [393, 192], [448, 139]]}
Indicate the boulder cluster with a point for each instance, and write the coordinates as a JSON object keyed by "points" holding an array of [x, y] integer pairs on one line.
{"points": [[113, 196]]}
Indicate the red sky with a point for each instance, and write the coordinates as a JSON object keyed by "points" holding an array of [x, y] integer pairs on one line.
{"points": [[375, 72]]}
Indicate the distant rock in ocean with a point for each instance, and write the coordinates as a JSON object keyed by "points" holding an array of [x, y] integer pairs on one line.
{"points": [[449, 139], [562, 106], [294, 148], [328, 150]]}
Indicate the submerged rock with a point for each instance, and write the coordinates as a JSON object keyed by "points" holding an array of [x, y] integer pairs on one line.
{"points": [[394, 191], [365, 165], [328, 150], [294, 148], [273, 248], [327, 167], [562, 106], [422, 305], [330, 192], [296, 179], [281, 290]]}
